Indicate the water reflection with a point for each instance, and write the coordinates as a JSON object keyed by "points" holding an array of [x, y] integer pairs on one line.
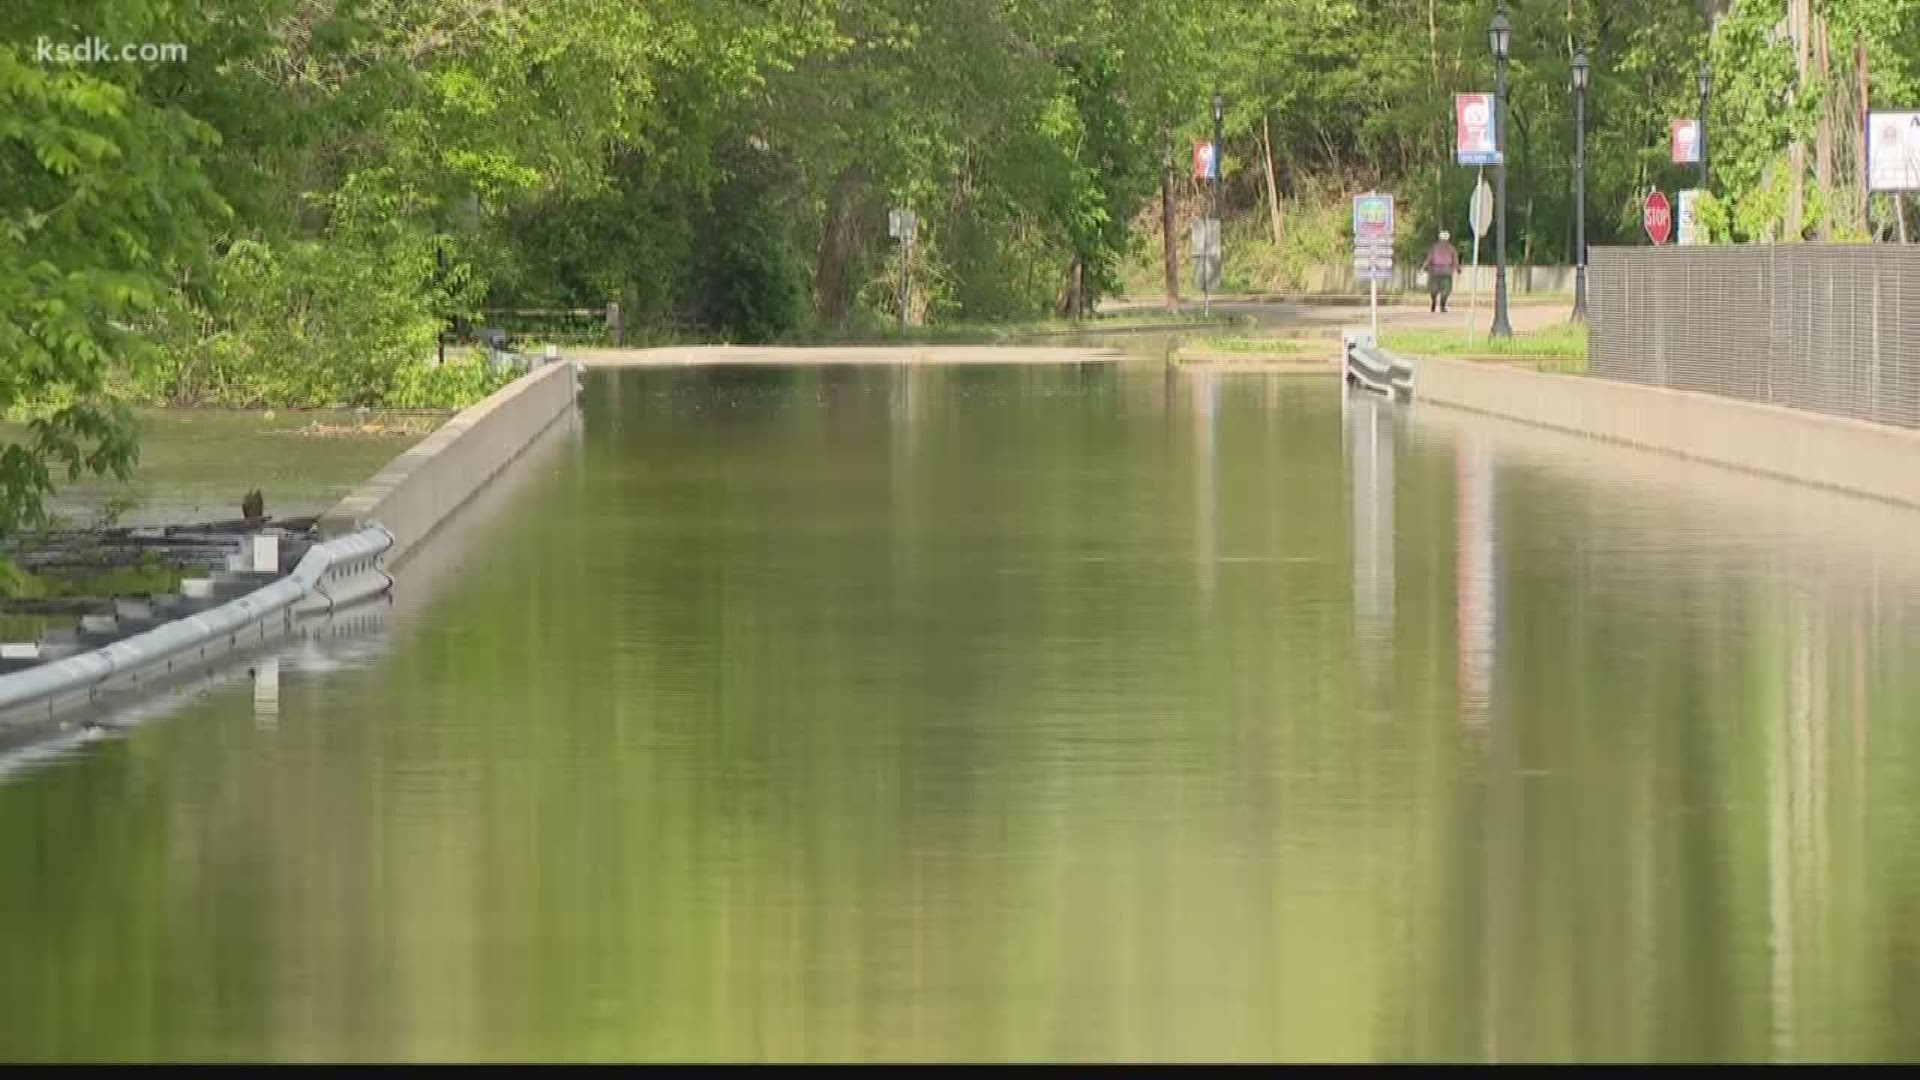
{"points": [[266, 691], [1475, 578], [1370, 421], [846, 719], [1205, 388]]}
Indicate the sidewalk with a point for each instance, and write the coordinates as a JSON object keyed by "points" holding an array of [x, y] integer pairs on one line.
{"points": [[1329, 314]]}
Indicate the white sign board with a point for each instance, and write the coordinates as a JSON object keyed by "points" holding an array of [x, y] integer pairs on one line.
{"points": [[1375, 265], [1690, 232], [1206, 236], [900, 224], [1893, 151]]}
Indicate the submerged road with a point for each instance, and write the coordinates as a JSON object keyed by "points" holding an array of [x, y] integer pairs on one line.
{"points": [[1001, 711]]}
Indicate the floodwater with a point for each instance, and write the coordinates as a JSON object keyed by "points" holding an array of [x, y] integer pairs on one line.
{"points": [[1029, 713]]}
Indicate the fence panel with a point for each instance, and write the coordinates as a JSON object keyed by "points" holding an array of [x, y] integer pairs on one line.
{"points": [[1826, 327]]}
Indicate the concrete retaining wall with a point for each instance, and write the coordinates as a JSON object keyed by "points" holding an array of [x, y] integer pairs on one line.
{"points": [[1854, 456], [421, 488]]}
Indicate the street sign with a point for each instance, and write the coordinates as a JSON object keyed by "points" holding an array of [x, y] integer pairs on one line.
{"points": [[1373, 261], [1206, 163], [1686, 142], [1689, 231], [1205, 240], [1206, 236], [1658, 217], [1480, 209], [1893, 151], [1474, 133], [1373, 218], [1373, 237], [900, 224]]}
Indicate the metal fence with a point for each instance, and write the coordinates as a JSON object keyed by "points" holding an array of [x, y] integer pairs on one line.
{"points": [[1826, 327]]}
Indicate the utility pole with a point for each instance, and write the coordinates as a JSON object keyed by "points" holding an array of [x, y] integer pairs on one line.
{"points": [[1500, 37], [1580, 70]]}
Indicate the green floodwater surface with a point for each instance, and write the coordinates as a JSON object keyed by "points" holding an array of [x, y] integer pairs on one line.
{"points": [[1028, 713]]}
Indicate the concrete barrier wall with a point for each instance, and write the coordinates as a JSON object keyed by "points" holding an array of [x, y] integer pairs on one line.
{"points": [[1854, 456], [421, 488]]}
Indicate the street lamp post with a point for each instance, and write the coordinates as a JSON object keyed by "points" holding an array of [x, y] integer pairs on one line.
{"points": [[1500, 36], [1705, 79], [1580, 187]]}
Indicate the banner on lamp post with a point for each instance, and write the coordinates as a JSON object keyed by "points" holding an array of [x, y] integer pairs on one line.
{"points": [[1686, 142], [1206, 162], [1475, 141]]}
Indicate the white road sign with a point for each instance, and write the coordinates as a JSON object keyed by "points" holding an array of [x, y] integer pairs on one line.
{"points": [[1893, 151], [1689, 230], [1480, 208]]}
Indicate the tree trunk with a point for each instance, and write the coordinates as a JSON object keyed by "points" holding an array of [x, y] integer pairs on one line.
{"points": [[1900, 214], [1823, 135], [1858, 127], [1797, 12], [840, 241], [1273, 186], [1072, 297], [1169, 242]]}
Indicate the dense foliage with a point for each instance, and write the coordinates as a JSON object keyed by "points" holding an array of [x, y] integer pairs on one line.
{"points": [[293, 210]]}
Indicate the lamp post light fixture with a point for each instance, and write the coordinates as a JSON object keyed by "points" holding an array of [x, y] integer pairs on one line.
{"points": [[1500, 38], [1705, 82], [1580, 72]]}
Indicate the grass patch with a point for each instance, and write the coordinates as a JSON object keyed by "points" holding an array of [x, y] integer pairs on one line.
{"points": [[196, 464], [1564, 345], [1256, 346], [150, 578]]}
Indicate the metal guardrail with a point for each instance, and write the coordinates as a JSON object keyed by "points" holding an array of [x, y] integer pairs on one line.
{"points": [[1371, 368], [331, 575]]}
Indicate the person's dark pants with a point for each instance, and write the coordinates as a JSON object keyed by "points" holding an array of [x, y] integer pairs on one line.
{"points": [[1439, 288]]}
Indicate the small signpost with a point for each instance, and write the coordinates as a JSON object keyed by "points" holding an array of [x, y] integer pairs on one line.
{"points": [[1480, 218], [1373, 247], [1476, 141], [1657, 217], [901, 225]]}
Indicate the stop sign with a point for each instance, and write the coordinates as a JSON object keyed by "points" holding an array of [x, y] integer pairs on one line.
{"points": [[1658, 217]]}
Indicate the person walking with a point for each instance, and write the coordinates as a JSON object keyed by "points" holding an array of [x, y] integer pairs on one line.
{"points": [[1442, 261]]}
